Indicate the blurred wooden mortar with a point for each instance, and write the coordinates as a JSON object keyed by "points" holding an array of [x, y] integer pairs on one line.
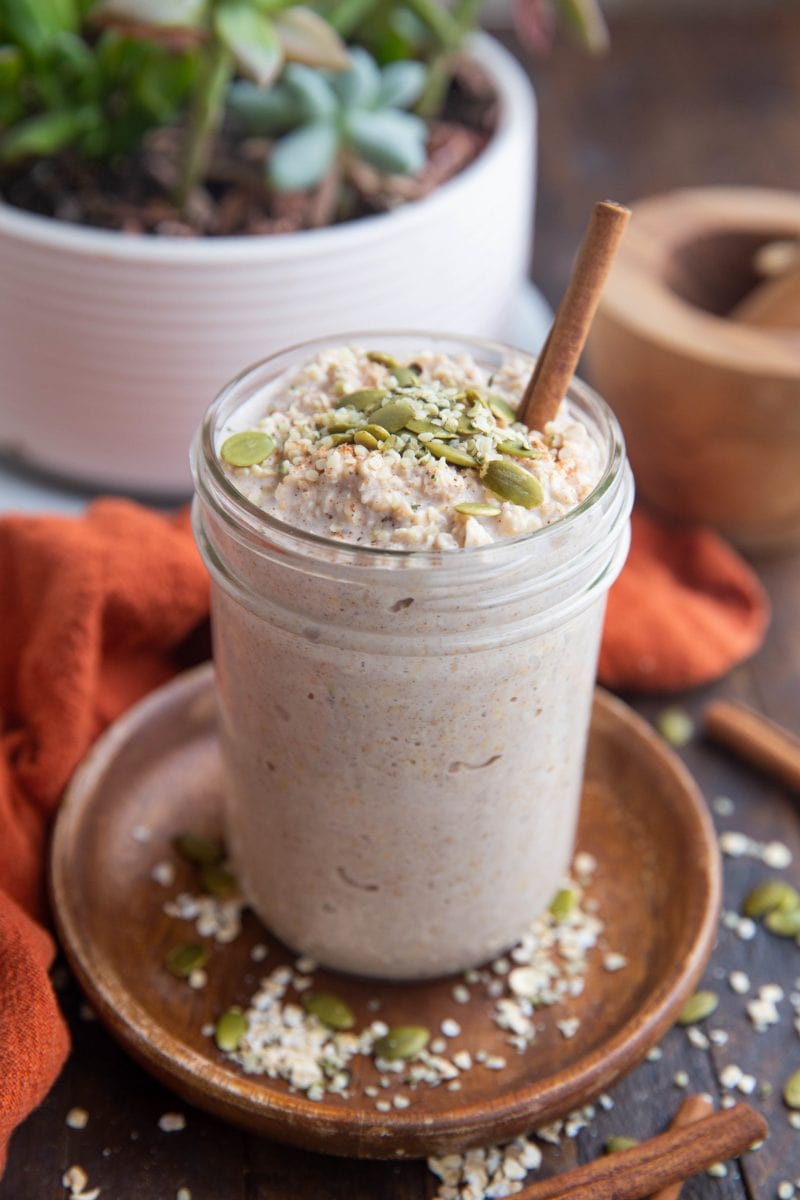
{"points": [[700, 360]]}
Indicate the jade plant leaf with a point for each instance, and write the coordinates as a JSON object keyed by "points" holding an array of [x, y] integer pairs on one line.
{"points": [[302, 158], [313, 93], [391, 141], [359, 86], [263, 112], [307, 38], [401, 84], [251, 39]]}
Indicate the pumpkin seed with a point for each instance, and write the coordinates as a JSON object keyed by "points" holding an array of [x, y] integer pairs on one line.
{"points": [[384, 360], [451, 454], [393, 415], [329, 1010], [768, 895], [473, 396], [475, 509], [378, 432], [405, 376], [362, 438], [218, 881], [783, 924], [512, 482], [619, 1141], [516, 450], [363, 399], [501, 409], [562, 903], [246, 449], [417, 425], [184, 959], [698, 1007], [343, 439], [201, 851], [342, 426], [230, 1029], [791, 1090], [404, 1041], [675, 726]]}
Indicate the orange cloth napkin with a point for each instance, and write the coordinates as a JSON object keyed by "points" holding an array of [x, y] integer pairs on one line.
{"points": [[92, 612]]}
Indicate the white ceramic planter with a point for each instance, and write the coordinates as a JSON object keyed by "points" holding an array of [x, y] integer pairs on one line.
{"points": [[111, 346]]}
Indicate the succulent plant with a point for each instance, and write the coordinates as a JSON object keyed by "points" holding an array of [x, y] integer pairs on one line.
{"points": [[325, 116]]}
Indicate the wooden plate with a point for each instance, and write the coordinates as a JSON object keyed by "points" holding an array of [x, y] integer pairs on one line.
{"points": [[657, 884]]}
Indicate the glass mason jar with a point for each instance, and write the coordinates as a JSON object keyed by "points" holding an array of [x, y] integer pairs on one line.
{"points": [[403, 732]]}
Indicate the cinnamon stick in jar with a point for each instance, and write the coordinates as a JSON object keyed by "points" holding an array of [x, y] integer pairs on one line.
{"points": [[761, 742]]}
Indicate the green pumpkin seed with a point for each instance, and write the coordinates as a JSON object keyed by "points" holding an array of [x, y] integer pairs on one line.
{"points": [[393, 415], [362, 438], [342, 426], [563, 903], [451, 454], [619, 1141], [218, 881], [378, 432], [768, 895], [246, 449], [201, 851], [230, 1029], [512, 482], [329, 1010], [791, 1091], [517, 451], [473, 396], [404, 1041], [184, 959], [698, 1007], [501, 409], [675, 726], [475, 509], [783, 924], [343, 439], [363, 399], [405, 376], [384, 360], [416, 425]]}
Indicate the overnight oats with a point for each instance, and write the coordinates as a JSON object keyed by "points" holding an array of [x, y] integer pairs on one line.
{"points": [[408, 593]]}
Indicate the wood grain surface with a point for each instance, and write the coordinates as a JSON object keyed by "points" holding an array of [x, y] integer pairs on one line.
{"points": [[684, 99]]}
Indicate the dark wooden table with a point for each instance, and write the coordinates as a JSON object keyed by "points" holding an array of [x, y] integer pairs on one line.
{"points": [[683, 99]]}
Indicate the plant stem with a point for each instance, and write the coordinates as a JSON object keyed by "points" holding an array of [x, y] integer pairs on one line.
{"points": [[205, 117], [434, 93]]}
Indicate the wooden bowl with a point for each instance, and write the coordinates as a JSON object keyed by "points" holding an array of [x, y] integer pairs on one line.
{"points": [[159, 769], [710, 408]]}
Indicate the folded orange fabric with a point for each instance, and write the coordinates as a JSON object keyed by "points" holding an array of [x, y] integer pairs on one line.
{"points": [[92, 611], [685, 609]]}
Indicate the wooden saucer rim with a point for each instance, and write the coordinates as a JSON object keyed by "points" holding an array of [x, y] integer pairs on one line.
{"points": [[256, 1104]]}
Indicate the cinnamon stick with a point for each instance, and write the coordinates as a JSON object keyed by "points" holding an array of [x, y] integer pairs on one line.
{"points": [[756, 739], [559, 357], [675, 1155], [693, 1108]]}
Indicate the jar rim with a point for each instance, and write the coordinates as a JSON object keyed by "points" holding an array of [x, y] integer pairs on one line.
{"points": [[238, 510]]}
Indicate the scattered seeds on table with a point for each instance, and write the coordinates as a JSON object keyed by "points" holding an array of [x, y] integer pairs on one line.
{"points": [[329, 1009], [791, 1091], [404, 1041], [619, 1141], [184, 959], [230, 1029], [770, 894], [675, 726], [699, 1006]]}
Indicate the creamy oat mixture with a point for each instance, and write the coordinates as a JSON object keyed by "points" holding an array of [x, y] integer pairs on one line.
{"points": [[423, 454]]}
